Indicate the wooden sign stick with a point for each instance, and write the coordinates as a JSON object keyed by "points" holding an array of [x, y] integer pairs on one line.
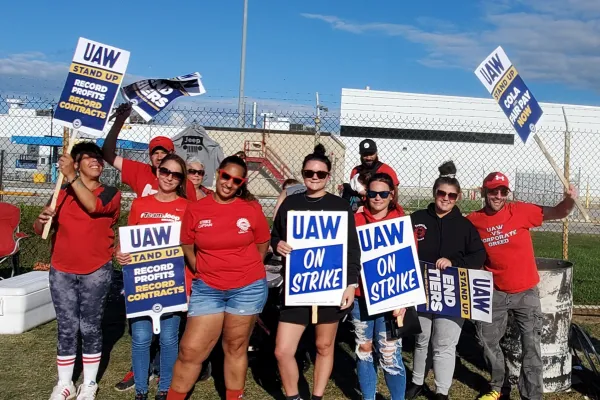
{"points": [[59, 182], [315, 316], [400, 321]]}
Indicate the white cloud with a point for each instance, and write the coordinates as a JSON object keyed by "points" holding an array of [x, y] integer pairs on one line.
{"points": [[550, 40]]}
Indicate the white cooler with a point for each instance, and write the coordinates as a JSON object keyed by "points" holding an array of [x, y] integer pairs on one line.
{"points": [[25, 302]]}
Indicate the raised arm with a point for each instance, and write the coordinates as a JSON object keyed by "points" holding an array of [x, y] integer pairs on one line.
{"points": [[109, 148], [562, 209]]}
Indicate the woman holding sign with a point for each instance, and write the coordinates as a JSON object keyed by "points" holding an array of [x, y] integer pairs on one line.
{"points": [[225, 237], [445, 239], [293, 320], [81, 264], [381, 205], [167, 205]]}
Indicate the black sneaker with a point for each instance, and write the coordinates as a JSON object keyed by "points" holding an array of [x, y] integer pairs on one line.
{"points": [[438, 396], [127, 383], [161, 396], [142, 396], [413, 391], [206, 372]]}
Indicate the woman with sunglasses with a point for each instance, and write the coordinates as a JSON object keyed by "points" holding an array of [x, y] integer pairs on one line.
{"points": [[225, 237], [167, 205], [195, 173], [446, 239], [381, 205], [294, 320]]}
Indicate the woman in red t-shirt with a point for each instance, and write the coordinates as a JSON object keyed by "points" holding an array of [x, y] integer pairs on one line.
{"points": [[167, 205], [81, 264], [225, 237]]}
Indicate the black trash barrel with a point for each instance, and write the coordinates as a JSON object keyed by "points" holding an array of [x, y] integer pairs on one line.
{"points": [[556, 296]]}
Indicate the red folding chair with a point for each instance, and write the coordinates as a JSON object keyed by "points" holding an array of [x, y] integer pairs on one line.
{"points": [[10, 217]]}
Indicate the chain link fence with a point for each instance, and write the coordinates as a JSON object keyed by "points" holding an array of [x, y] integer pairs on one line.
{"points": [[275, 143]]}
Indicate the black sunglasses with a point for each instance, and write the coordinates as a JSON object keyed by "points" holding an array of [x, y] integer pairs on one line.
{"points": [[502, 190], [192, 171], [384, 194], [443, 194], [166, 172], [309, 173]]}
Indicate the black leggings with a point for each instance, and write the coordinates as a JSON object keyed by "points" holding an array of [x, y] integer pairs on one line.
{"points": [[79, 303]]}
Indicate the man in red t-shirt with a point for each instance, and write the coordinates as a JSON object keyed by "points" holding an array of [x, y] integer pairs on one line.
{"points": [[369, 162], [504, 230]]}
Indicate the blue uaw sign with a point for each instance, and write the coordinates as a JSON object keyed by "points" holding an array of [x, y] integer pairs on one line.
{"points": [[316, 272], [458, 292], [501, 79], [92, 86], [151, 96], [391, 276], [154, 281]]}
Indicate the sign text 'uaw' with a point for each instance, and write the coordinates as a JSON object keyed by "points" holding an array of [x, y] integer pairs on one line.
{"points": [[391, 277], [92, 86], [458, 292], [504, 83], [316, 268]]}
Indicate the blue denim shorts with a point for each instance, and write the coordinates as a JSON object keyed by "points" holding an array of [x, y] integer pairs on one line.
{"points": [[247, 300]]}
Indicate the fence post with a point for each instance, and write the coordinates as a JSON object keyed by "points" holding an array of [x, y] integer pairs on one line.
{"points": [[1, 175], [566, 167]]}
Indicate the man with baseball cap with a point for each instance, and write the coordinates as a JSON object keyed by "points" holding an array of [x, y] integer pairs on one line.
{"points": [[504, 229], [369, 162]]}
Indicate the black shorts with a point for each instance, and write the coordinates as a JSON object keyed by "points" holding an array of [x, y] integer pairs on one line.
{"points": [[302, 315]]}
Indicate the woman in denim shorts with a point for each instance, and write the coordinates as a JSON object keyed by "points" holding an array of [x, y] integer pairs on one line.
{"points": [[225, 237]]}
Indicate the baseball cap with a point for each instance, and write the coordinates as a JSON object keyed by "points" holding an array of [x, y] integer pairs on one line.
{"points": [[163, 142], [495, 180], [367, 146]]}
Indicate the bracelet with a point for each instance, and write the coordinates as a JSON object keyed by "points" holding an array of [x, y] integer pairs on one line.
{"points": [[74, 179]]}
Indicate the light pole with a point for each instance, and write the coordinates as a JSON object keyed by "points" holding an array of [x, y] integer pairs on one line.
{"points": [[320, 108], [243, 67]]}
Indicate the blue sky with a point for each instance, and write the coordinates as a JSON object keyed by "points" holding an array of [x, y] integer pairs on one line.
{"points": [[296, 48]]}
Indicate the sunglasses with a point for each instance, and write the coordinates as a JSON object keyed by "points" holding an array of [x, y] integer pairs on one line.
{"points": [[195, 172], [443, 194], [308, 174], [226, 177], [502, 190], [384, 194], [167, 172]]}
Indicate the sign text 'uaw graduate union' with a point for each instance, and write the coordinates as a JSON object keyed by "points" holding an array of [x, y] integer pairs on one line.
{"points": [[501, 79], [458, 292], [154, 281], [316, 271], [391, 276], [92, 86]]}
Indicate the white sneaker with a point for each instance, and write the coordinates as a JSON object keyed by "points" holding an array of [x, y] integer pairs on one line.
{"points": [[63, 391], [87, 391]]}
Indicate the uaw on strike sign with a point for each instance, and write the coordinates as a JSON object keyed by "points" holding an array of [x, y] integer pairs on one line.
{"points": [[501, 79], [316, 271], [92, 86], [391, 276], [458, 292], [155, 279]]}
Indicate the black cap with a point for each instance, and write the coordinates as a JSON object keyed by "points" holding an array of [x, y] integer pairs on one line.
{"points": [[367, 146]]}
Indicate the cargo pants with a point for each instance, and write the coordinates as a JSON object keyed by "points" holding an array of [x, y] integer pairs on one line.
{"points": [[527, 312]]}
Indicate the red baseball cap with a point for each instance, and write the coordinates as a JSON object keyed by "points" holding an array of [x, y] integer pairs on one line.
{"points": [[495, 180], [163, 142]]}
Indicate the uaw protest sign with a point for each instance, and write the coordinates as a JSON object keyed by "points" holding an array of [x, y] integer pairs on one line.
{"points": [[391, 275], [155, 279], [458, 292], [503, 82], [92, 85], [316, 273]]}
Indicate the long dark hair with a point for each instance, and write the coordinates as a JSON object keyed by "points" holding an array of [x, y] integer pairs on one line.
{"points": [[242, 192], [447, 177], [180, 190], [385, 178], [318, 154]]}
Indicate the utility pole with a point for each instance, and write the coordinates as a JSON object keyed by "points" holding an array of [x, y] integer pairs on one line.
{"points": [[241, 113]]}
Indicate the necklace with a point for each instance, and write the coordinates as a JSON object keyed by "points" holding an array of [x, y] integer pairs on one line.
{"points": [[313, 201]]}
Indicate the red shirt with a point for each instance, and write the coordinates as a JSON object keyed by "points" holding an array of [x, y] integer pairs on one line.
{"points": [[508, 244], [83, 242], [365, 217], [148, 210], [384, 168], [143, 181], [225, 238]]}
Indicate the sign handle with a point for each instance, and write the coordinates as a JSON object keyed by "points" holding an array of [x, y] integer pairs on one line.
{"points": [[315, 316], [400, 321], [560, 175], [156, 323], [59, 182]]}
